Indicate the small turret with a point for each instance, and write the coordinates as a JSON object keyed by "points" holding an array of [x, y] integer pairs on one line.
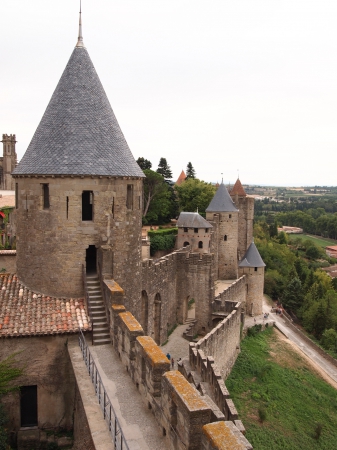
{"points": [[252, 266], [9, 161]]}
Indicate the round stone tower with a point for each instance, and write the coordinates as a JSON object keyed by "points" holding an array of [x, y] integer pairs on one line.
{"points": [[253, 266], [223, 215], [78, 190], [245, 205]]}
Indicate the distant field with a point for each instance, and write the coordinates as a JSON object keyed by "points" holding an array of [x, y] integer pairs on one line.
{"points": [[322, 242]]}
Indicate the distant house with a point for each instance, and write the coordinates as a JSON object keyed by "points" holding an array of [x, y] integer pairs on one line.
{"points": [[331, 251]]}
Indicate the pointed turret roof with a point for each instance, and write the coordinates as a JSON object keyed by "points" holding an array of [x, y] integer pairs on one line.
{"points": [[181, 178], [79, 133], [221, 201], [252, 258], [238, 189]]}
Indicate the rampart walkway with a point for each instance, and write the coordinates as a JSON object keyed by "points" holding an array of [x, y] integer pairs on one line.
{"points": [[139, 425]]}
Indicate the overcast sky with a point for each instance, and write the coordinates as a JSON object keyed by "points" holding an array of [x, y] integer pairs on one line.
{"points": [[240, 85]]}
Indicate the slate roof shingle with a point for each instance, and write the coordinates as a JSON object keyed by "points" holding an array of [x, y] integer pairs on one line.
{"points": [[252, 258], [192, 220], [24, 313], [79, 133], [221, 202]]}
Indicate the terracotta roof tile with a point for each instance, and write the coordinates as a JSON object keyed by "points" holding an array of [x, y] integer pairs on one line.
{"points": [[181, 178], [238, 189], [25, 313]]}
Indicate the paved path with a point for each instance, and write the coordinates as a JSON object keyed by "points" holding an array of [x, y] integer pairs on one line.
{"points": [[177, 346], [139, 425], [296, 338]]}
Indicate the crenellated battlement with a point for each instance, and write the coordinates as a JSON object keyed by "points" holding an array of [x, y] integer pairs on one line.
{"points": [[180, 409]]}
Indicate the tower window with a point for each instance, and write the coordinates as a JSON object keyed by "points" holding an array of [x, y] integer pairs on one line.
{"points": [[185, 230], [206, 230], [200, 245], [255, 268], [45, 195], [129, 196], [87, 205], [230, 216], [196, 230], [225, 237]]}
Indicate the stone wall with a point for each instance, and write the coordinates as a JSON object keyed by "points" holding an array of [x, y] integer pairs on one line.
{"points": [[167, 286], [52, 241], [82, 434], [254, 277], [222, 343], [245, 205], [8, 260], [181, 411], [47, 365], [194, 239], [225, 243]]}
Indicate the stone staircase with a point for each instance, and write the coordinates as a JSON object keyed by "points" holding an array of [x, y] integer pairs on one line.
{"points": [[189, 332], [101, 334]]}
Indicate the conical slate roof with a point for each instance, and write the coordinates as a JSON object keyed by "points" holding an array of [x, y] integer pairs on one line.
{"points": [[238, 189], [252, 258], [221, 201], [79, 133]]}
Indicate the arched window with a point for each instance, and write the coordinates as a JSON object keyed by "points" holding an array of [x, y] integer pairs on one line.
{"points": [[186, 244], [200, 245]]}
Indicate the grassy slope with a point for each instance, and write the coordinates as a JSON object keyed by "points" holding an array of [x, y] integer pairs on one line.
{"points": [[321, 242], [269, 375]]}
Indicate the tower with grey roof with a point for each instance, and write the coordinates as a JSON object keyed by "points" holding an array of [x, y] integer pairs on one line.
{"points": [[223, 215], [78, 191], [252, 266]]}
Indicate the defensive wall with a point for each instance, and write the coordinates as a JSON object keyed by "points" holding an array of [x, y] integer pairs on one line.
{"points": [[183, 413], [168, 284]]}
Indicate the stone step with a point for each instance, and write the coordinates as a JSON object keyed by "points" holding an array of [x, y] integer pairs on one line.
{"points": [[102, 341]]}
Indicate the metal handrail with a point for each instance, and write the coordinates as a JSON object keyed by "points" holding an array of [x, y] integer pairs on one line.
{"points": [[87, 301], [104, 401]]}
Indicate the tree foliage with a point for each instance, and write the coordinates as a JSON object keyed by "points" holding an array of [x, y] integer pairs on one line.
{"points": [[164, 169], [190, 172], [195, 195], [143, 163], [157, 205]]}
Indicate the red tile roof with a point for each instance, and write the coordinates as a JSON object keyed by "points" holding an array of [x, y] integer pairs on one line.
{"points": [[181, 178], [25, 313], [238, 189]]}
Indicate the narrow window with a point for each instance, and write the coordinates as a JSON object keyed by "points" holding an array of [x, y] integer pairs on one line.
{"points": [[87, 205], [255, 268], [206, 230], [225, 237], [139, 203], [129, 196], [16, 195], [67, 207], [230, 216], [185, 230], [45, 194], [113, 207], [28, 406], [196, 230], [200, 245]]}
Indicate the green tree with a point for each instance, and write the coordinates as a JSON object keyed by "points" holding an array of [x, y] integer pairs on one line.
{"points": [[273, 229], [195, 195], [190, 172], [144, 163], [164, 169], [292, 296], [156, 193], [329, 339]]}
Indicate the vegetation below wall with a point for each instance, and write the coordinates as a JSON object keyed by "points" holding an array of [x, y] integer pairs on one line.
{"points": [[162, 239], [294, 277], [282, 403]]}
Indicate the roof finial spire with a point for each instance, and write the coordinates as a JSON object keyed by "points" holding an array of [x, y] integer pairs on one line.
{"points": [[80, 37]]}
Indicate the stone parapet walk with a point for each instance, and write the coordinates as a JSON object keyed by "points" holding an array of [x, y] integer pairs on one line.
{"points": [[139, 425]]}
